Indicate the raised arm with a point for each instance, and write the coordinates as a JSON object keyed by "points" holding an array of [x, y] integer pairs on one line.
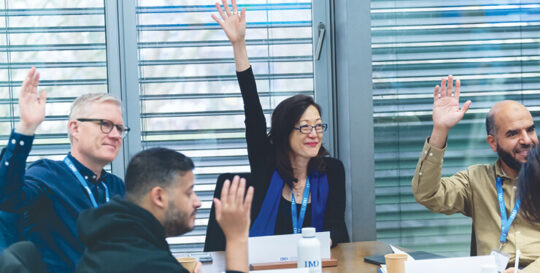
{"points": [[258, 143], [233, 215], [31, 105], [445, 195], [234, 25], [15, 194], [446, 112]]}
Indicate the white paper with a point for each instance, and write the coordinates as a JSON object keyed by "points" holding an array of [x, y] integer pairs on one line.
{"points": [[290, 270], [449, 265], [279, 248], [399, 251]]}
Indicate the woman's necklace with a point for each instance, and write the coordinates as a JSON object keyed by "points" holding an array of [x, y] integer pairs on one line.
{"points": [[297, 192]]}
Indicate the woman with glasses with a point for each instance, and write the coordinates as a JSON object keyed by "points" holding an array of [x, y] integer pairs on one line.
{"points": [[296, 183]]}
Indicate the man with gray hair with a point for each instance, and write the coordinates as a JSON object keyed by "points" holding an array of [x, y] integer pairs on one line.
{"points": [[51, 194]]}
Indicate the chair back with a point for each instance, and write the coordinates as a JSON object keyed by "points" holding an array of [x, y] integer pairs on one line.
{"points": [[215, 238], [473, 243], [22, 257]]}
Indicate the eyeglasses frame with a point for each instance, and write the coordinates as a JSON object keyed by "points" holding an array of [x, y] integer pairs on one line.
{"points": [[123, 132], [324, 127]]}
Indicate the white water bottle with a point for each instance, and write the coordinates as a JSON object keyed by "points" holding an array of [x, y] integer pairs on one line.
{"points": [[309, 251]]}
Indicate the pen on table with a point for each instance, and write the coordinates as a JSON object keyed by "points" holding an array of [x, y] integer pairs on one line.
{"points": [[516, 264]]}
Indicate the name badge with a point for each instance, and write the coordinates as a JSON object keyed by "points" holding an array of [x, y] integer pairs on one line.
{"points": [[501, 259]]}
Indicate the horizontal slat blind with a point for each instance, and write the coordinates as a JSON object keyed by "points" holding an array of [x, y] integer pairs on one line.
{"points": [[190, 99], [65, 40], [493, 47]]}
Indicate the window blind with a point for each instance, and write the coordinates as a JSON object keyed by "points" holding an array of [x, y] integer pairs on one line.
{"points": [[65, 40], [190, 99], [494, 48]]}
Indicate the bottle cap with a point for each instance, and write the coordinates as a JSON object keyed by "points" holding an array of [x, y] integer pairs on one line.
{"points": [[308, 232]]}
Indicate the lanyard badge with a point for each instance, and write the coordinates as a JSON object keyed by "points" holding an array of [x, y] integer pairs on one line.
{"points": [[505, 222], [83, 183], [298, 220], [502, 258]]}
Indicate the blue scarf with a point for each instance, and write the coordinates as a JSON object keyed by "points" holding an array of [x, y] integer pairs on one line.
{"points": [[265, 224]]}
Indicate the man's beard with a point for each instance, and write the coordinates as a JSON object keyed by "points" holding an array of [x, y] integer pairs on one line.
{"points": [[509, 159], [176, 222]]}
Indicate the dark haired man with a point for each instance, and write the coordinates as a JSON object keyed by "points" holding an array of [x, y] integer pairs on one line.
{"points": [[129, 235], [484, 192]]}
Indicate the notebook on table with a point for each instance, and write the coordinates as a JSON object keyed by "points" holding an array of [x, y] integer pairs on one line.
{"points": [[417, 255]]}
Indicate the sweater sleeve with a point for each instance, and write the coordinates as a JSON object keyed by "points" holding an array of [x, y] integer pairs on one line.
{"points": [[335, 208], [258, 143]]}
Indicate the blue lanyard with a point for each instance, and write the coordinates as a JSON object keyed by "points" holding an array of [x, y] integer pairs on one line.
{"points": [[298, 220], [83, 183], [505, 223]]}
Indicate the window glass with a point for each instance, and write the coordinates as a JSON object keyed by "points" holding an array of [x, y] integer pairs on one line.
{"points": [[493, 47], [190, 99]]}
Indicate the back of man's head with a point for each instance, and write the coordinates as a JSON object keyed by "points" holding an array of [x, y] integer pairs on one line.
{"points": [[155, 167]]}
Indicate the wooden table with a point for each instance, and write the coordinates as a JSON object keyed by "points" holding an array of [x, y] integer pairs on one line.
{"points": [[350, 258]]}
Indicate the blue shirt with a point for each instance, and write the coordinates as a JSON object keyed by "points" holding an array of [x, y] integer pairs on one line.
{"points": [[51, 198]]}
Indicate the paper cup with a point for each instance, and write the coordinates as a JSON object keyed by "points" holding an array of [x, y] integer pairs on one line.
{"points": [[188, 263], [395, 263]]}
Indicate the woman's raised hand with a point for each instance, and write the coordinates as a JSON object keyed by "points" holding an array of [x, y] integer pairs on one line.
{"points": [[233, 23]]}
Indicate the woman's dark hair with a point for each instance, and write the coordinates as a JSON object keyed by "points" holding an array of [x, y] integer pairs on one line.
{"points": [[284, 119], [529, 186]]}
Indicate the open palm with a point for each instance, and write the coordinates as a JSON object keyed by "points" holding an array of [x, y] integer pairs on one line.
{"points": [[446, 112], [31, 106], [233, 23], [233, 210]]}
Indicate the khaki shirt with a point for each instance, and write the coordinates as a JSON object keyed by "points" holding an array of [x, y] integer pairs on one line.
{"points": [[472, 192]]}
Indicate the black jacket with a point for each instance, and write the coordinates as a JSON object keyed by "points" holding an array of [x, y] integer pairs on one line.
{"points": [[123, 237], [261, 154]]}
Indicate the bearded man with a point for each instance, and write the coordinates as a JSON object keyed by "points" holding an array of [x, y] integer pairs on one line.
{"points": [[485, 192], [128, 235]]}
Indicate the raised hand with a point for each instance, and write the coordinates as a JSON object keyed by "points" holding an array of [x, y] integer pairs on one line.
{"points": [[31, 106], [233, 214], [233, 210], [234, 24], [446, 111]]}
